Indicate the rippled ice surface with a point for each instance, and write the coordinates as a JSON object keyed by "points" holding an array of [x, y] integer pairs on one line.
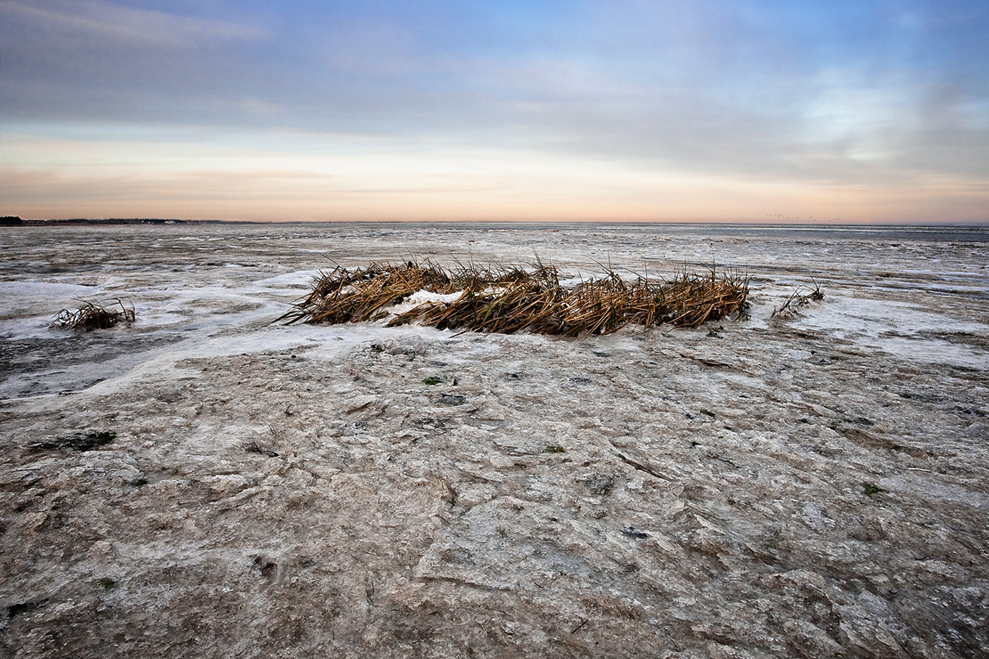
{"points": [[815, 487], [921, 294]]}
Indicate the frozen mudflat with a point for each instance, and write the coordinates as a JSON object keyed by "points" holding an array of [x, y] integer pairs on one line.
{"points": [[817, 487]]}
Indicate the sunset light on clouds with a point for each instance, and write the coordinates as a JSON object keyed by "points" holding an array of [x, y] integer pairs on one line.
{"points": [[385, 110]]}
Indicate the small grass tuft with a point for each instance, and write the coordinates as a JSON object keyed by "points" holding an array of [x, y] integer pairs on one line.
{"points": [[796, 300], [93, 315], [555, 448], [106, 583], [871, 489], [432, 380]]}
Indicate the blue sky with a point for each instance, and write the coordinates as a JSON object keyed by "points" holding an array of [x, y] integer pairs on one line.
{"points": [[470, 110]]}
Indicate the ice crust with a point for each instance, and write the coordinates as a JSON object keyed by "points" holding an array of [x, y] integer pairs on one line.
{"points": [[799, 487]]}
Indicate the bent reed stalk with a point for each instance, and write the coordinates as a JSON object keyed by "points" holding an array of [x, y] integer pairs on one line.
{"points": [[509, 299]]}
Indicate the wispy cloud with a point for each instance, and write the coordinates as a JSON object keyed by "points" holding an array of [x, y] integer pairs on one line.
{"points": [[105, 21]]}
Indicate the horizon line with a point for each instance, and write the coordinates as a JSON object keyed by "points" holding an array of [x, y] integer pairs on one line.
{"points": [[767, 223]]}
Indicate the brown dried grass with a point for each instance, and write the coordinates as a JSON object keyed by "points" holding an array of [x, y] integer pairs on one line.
{"points": [[796, 300], [93, 315], [513, 299]]}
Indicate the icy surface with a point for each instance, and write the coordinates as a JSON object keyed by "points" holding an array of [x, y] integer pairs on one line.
{"points": [[804, 487]]}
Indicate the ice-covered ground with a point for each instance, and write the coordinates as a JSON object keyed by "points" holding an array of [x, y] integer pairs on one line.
{"points": [[752, 488]]}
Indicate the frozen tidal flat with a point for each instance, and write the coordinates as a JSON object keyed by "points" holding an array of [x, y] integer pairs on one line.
{"points": [[817, 487]]}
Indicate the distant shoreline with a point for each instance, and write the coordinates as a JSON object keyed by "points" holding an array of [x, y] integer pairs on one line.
{"points": [[13, 220]]}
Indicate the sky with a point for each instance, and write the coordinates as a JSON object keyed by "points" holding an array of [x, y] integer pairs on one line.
{"points": [[507, 110]]}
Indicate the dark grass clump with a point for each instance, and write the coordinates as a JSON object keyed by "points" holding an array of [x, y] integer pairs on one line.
{"points": [[512, 299], [92, 316], [88, 441]]}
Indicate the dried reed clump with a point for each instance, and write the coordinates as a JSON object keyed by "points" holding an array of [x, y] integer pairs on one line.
{"points": [[513, 299], [92, 315], [342, 295]]}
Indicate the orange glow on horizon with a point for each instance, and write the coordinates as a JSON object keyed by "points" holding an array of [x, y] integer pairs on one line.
{"points": [[353, 179]]}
